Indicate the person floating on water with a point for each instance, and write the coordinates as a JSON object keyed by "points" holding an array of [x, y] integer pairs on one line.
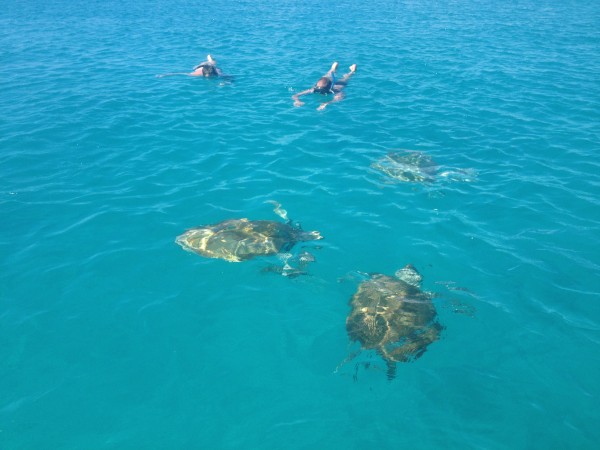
{"points": [[327, 84], [207, 68]]}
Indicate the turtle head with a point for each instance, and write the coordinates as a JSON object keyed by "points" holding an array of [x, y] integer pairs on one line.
{"points": [[410, 275], [194, 239], [310, 236]]}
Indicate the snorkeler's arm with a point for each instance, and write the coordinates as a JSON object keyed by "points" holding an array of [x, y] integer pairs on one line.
{"points": [[296, 97], [336, 98], [171, 74]]}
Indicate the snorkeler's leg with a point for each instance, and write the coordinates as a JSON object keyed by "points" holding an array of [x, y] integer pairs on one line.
{"points": [[331, 71], [347, 76]]}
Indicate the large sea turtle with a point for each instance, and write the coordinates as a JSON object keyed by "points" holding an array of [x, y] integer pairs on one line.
{"points": [[413, 166], [394, 317], [238, 240]]}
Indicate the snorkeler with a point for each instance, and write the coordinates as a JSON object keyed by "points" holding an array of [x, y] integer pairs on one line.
{"points": [[207, 68], [327, 84]]}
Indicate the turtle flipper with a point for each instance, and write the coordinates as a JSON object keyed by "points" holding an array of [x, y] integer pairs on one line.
{"points": [[346, 360], [279, 210], [391, 370]]}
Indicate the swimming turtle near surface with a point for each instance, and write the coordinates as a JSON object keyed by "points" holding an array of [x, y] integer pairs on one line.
{"points": [[394, 317], [237, 240], [418, 167]]}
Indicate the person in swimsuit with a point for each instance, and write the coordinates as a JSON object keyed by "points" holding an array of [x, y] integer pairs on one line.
{"points": [[207, 68], [327, 84]]}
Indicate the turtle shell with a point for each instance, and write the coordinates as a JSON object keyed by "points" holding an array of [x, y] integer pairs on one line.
{"points": [[242, 239], [393, 317]]}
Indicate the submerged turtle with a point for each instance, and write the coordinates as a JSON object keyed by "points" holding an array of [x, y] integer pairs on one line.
{"points": [[238, 240], [407, 166], [413, 166], [394, 317], [293, 265]]}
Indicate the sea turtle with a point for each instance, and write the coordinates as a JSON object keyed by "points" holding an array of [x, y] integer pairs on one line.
{"points": [[394, 317], [413, 166], [238, 240], [293, 265], [407, 166]]}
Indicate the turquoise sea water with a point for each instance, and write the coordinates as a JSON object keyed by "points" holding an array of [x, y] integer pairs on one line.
{"points": [[111, 336]]}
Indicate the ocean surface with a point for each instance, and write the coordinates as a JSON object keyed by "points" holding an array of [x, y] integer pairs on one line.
{"points": [[113, 337]]}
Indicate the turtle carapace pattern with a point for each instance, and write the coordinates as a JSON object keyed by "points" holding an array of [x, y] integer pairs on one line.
{"points": [[394, 317]]}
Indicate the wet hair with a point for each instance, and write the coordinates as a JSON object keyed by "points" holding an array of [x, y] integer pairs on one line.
{"points": [[323, 86], [208, 69]]}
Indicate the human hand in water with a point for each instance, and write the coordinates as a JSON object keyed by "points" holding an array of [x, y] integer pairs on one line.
{"points": [[322, 106], [298, 103]]}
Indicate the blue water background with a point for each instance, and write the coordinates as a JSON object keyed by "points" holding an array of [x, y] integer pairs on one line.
{"points": [[111, 336]]}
